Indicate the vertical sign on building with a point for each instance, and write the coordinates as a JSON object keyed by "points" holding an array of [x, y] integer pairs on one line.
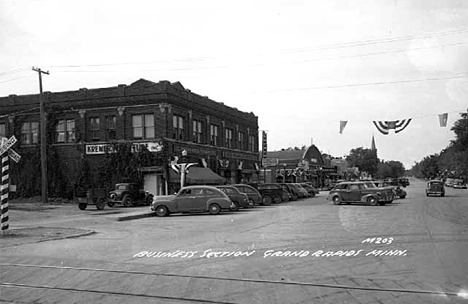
{"points": [[264, 144]]}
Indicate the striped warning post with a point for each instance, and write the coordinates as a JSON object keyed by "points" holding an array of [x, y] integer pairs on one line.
{"points": [[4, 193]]}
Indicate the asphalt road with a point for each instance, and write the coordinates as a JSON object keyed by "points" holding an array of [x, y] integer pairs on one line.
{"points": [[308, 251]]}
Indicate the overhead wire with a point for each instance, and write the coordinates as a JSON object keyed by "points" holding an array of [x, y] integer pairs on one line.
{"points": [[325, 47]]}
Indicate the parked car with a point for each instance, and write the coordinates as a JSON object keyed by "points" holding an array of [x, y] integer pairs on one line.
{"points": [[271, 193], [192, 199], [360, 192], [310, 189], [129, 194], [459, 184], [301, 192], [449, 182], [255, 198], [435, 187], [239, 199], [397, 190], [292, 192]]}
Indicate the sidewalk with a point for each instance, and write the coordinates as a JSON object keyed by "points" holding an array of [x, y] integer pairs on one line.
{"points": [[29, 218]]}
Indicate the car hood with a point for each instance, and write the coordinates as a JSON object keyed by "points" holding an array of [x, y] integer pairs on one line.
{"points": [[160, 198]]}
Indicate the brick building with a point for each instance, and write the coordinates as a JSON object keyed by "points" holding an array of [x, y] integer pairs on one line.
{"points": [[166, 121]]}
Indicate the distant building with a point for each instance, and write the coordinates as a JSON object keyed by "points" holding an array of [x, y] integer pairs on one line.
{"points": [[307, 165], [165, 119]]}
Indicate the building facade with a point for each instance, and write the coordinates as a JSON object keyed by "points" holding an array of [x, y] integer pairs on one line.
{"points": [[294, 166], [163, 123]]}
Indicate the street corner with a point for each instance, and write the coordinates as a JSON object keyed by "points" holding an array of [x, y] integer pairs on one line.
{"points": [[19, 236]]}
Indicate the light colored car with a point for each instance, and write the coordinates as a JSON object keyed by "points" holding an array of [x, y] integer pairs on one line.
{"points": [[192, 199], [459, 184]]}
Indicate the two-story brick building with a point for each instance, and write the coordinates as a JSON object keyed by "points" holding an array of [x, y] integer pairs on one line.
{"points": [[169, 121]]}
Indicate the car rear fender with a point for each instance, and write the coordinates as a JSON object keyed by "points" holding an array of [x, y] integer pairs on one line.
{"points": [[222, 202]]}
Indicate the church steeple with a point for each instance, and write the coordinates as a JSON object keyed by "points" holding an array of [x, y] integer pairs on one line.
{"points": [[373, 148]]}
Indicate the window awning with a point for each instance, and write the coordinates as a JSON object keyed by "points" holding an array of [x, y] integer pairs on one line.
{"points": [[198, 176]]}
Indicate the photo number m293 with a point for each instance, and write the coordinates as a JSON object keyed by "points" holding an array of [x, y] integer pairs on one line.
{"points": [[378, 240]]}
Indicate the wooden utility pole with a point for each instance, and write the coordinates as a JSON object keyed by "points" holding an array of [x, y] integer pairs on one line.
{"points": [[43, 138]]}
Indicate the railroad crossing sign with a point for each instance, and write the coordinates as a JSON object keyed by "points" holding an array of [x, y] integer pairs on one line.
{"points": [[6, 146]]}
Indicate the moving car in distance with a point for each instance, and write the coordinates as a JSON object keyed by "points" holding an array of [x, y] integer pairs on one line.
{"points": [[404, 181], [435, 187], [360, 192], [192, 199], [255, 198], [239, 199]]}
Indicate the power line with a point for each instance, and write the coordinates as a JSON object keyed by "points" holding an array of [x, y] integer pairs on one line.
{"points": [[270, 63], [360, 84], [324, 47], [13, 71], [12, 79]]}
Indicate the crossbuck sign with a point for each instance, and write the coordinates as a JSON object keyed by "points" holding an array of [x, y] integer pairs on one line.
{"points": [[5, 146]]}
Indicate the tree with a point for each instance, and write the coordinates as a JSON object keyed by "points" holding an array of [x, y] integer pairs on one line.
{"points": [[364, 159], [390, 169]]}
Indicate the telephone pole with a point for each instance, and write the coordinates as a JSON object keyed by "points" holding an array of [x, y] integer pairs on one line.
{"points": [[43, 137]]}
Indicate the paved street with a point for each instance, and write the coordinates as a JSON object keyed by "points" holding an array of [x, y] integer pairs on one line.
{"points": [[310, 251]]}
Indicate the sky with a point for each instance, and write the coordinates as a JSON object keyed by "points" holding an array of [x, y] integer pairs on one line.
{"points": [[300, 66]]}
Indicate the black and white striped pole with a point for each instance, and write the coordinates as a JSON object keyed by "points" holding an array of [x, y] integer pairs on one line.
{"points": [[6, 153], [5, 187]]}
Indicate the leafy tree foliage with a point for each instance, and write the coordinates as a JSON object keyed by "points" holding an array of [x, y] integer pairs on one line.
{"points": [[364, 159], [451, 161], [390, 169]]}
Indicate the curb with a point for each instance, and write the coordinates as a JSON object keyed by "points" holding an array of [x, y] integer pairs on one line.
{"points": [[135, 216]]}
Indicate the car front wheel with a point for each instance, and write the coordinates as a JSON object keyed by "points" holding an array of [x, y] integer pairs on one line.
{"points": [[235, 208], [214, 209], [267, 200], [372, 201], [162, 211], [336, 200]]}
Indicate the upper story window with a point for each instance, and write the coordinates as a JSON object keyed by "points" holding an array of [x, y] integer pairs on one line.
{"points": [[2, 130], [251, 143], [228, 138], [30, 133], [178, 125], [95, 127], [111, 129], [214, 131], [66, 131], [197, 131], [241, 140], [143, 126]]}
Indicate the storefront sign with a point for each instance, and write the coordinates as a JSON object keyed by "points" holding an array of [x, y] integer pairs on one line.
{"points": [[193, 150], [236, 155], [136, 147], [269, 162]]}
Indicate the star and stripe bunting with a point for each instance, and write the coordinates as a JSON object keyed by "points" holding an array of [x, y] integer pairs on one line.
{"points": [[384, 127]]}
